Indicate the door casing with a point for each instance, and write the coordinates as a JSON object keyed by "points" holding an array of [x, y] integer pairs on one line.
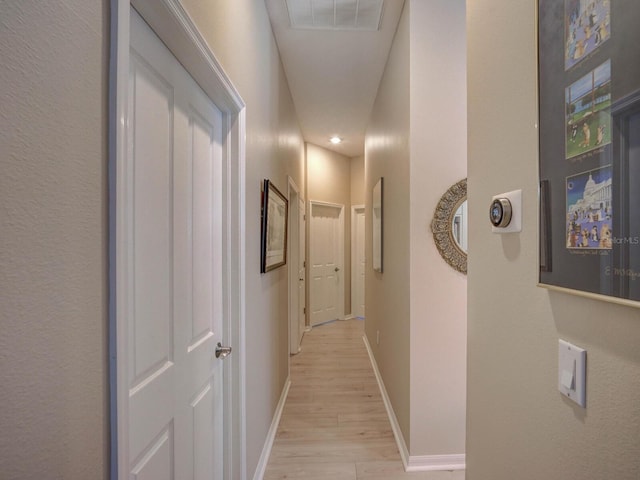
{"points": [[295, 246], [176, 29], [355, 249]]}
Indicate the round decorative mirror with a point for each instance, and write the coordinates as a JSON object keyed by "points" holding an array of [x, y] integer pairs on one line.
{"points": [[449, 226]]}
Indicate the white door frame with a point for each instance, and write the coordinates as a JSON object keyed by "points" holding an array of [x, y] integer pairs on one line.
{"points": [[175, 28], [293, 267], [354, 260], [340, 256]]}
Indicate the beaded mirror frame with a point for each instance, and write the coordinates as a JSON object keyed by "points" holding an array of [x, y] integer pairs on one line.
{"points": [[442, 226]]}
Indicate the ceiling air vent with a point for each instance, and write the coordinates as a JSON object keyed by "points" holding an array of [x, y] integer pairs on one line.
{"points": [[335, 14]]}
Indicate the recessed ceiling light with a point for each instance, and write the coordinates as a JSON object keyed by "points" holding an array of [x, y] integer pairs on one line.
{"points": [[335, 140]]}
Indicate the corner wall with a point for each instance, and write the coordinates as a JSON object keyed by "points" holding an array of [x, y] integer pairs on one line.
{"points": [[357, 181], [417, 141], [438, 292], [387, 294], [518, 424]]}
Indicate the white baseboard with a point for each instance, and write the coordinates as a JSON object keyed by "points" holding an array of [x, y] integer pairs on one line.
{"points": [[415, 463], [395, 426], [271, 434], [426, 463], [348, 317]]}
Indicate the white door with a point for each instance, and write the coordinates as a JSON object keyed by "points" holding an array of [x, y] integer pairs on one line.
{"points": [[359, 264], [174, 270], [326, 245]]}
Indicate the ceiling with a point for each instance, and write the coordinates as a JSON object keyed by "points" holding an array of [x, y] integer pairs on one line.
{"points": [[333, 72]]}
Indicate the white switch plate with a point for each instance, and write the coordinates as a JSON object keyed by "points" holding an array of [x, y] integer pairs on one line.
{"points": [[572, 363]]}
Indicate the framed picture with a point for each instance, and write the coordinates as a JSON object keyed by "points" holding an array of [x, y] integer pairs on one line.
{"points": [[589, 107], [273, 241], [377, 224]]}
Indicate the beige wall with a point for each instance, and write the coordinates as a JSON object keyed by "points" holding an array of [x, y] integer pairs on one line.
{"points": [[329, 176], [387, 294], [53, 246], [53, 342], [240, 36], [518, 425], [357, 181], [438, 292], [417, 142], [329, 180]]}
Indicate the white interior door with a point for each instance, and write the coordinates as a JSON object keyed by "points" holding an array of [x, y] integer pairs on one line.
{"points": [[327, 279], [173, 265], [359, 261]]}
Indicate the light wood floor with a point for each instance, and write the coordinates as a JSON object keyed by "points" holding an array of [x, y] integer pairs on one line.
{"points": [[334, 424]]}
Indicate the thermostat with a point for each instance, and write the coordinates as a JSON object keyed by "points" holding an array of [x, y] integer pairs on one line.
{"points": [[500, 212], [505, 212]]}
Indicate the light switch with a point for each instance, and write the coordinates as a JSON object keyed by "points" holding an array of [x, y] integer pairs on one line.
{"points": [[572, 362], [568, 377]]}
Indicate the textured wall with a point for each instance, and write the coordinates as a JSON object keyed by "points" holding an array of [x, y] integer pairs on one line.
{"points": [[438, 292], [518, 424], [53, 240]]}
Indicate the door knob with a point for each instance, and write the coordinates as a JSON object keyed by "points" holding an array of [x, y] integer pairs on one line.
{"points": [[222, 352], [337, 269]]}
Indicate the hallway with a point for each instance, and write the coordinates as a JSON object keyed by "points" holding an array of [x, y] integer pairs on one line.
{"points": [[334, 424]]}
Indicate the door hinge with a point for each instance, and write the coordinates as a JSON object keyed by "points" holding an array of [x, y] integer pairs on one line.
{"points": [[304, 310], [304, 264]]}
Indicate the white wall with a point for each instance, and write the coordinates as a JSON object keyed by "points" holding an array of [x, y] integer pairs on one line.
{"points": [[53, 241], [518, 424], [239, 33], [438, 292]]}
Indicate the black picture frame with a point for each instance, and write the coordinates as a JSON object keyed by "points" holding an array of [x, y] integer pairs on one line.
{"points": [[273, 231], [589, 162]]}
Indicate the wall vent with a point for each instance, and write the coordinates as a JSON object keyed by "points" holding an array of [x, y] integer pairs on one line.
{"points": [[363, 15]]}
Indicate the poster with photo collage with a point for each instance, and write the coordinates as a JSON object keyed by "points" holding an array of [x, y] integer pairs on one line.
{"points": [[589, 165]]}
